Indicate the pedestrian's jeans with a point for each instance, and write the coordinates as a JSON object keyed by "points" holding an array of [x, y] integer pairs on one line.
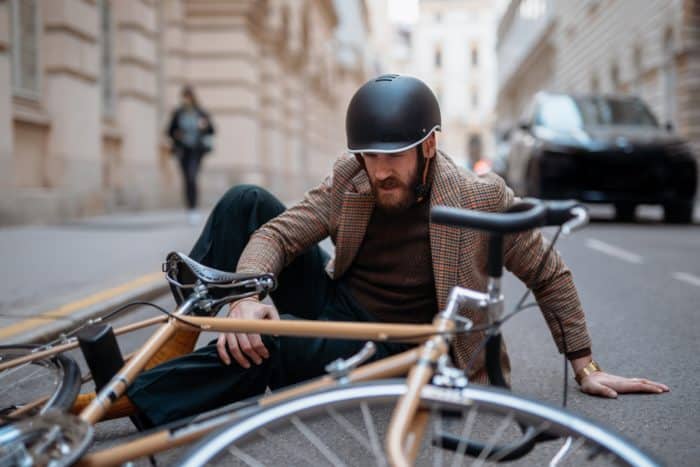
{"points": [[200, 381], [190, 160]]}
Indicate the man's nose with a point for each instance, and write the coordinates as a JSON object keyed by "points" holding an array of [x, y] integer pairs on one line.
{"points": [[383, 168]]}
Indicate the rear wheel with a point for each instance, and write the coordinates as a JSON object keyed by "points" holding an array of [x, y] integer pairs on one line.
{"points": [[346, 426], [679, 212], [38, 386]]}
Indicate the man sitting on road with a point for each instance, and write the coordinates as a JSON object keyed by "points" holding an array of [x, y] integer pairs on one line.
{"points": [[391, 263]]}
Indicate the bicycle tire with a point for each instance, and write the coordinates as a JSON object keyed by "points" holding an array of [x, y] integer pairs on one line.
{"points": [[49, 383], [604, 445]]}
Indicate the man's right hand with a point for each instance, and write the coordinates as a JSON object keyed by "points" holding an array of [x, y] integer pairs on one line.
{"points": [[245, 347]]}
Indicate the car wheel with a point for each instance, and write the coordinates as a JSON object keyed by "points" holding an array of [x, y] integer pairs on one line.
{"points": [[624, 212], [679, 212]]}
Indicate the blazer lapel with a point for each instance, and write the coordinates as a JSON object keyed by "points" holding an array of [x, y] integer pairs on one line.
{"points": [[444, 240], [355, 213]]}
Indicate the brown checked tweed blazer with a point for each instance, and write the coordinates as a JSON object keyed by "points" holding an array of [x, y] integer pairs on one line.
{"points": [[341, 207]]}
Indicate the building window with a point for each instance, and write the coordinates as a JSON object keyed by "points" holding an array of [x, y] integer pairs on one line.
{"points": [[475, 56], [475, 99], [615, 77], [25, 51], [438, 17], [107, 58], [595, 84], [438, 57]]}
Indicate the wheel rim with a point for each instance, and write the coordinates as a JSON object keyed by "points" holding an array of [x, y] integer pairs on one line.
{"points": [[302, 408]]}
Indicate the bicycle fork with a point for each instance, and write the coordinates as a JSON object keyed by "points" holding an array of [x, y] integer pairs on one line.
{"points": [[406, 418]]}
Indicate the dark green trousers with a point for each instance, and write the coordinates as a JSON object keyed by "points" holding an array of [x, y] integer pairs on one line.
{"points": [[199, 381]]}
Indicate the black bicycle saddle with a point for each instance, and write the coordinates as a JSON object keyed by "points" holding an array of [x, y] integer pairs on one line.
{"points": [[184, 273]]}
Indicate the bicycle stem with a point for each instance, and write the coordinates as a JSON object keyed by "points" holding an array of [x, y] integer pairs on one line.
{"points": [[491, 302]]}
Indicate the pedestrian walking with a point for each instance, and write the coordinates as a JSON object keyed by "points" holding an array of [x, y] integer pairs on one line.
{"points": [[191, 132]]}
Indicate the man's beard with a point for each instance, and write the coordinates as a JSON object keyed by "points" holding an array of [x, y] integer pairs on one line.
{"points": [[397, 200]]}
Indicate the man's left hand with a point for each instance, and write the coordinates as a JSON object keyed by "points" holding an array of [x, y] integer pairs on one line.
{"points": [[604, 384]]}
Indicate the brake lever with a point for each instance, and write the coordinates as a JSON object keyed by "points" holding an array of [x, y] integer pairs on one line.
{"points": [[580, 219]]}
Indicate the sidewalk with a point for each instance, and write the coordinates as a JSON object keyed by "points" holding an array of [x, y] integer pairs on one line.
{"points": [[51, 276]]}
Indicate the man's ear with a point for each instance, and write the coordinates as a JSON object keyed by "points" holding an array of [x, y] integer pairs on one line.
{"points": [[430, 146]]}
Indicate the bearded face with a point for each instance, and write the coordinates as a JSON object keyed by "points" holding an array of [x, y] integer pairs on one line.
{"points": [[393, 178]]}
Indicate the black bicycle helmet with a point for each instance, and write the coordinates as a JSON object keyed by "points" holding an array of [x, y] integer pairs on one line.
{"points": [[391, 113]]}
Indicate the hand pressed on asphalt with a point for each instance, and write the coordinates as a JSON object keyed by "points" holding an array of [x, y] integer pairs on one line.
{"points": [[245, 347], [604, 384]]}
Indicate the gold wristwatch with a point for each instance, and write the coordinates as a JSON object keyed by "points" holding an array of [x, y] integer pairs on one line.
{"points": [[592, 367]]}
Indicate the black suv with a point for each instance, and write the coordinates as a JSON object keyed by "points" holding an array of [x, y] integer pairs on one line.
{"points": [[602, 149]]}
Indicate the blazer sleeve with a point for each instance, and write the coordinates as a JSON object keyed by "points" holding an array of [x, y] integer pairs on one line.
{"points": [[279, 241], [552, 284]]}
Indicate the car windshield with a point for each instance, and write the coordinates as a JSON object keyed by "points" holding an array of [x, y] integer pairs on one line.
{"points": [[565, 113]]}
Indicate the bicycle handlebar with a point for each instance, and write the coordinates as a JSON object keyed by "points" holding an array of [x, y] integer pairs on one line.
{"points": [[527, 214]]}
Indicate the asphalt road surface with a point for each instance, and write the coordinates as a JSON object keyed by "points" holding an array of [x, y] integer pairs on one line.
{"points": [[640, 287]]}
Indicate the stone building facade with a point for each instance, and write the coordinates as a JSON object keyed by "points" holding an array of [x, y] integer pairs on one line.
{"points": [[453, 49], [647, 48], [87, 88]]}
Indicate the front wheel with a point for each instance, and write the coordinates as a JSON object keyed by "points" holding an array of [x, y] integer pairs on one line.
{"points": [[346, 426]]}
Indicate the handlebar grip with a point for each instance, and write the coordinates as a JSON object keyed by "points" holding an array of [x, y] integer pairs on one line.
{"points": [[560, 212]]}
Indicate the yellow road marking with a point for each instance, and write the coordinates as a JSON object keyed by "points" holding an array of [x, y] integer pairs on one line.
{"points": [[71, 307]]}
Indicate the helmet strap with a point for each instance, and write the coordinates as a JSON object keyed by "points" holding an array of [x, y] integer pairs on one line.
{"points": [[422, 189]]}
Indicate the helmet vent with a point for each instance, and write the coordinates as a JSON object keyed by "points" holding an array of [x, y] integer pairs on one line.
{"points": [[386, 78]]}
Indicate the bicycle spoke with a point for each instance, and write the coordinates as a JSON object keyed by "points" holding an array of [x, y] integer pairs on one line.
{"points": [[492, 442], [437, 458], [316, 441], [374, 439], [506, 452], [350, 429], [466, 433], [14, 370], [567, 450], [242, 456], [279, 443]]}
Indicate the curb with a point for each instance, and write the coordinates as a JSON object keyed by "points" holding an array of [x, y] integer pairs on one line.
{"points": [[54, 329]]}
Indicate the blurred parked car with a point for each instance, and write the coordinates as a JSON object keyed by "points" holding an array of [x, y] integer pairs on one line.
{"points": [[602, 149], [499, 162]]}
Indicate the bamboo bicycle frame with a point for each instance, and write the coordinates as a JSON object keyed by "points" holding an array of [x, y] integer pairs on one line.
{"points": [[420, 361], [393, 366]]}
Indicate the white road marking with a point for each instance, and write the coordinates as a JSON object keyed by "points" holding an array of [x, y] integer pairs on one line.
{"points": [[689, 278], [614, 251]]}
